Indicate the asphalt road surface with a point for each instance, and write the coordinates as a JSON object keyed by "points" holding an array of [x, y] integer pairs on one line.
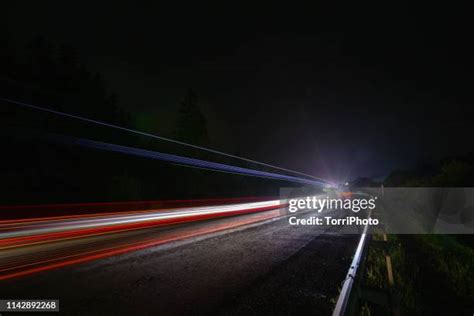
{"points": [[266, 266]]}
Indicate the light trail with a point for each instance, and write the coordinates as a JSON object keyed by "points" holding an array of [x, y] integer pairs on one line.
{"points": [[77, 117], [30, 245], [193, 162], [22, 213], [27, 257], [27, 233]]}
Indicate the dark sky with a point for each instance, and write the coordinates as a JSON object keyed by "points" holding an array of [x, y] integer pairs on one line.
{"points": [[337, 92]]}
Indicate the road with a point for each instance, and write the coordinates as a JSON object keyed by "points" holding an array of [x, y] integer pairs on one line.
{"points": [[251, 263]]}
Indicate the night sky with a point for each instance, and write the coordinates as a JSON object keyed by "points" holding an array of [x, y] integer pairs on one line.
{"points": [[338, 92]]}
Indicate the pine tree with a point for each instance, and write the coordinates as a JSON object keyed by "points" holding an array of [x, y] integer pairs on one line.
{"points": [[191, 124]]}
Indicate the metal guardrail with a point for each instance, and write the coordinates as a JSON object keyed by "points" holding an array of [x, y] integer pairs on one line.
{"points": [[346, 296]]}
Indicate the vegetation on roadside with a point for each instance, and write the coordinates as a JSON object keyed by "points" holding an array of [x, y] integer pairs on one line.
{"points": [[450, 172], [433, 274]]}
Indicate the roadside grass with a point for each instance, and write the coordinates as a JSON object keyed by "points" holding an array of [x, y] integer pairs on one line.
{"points": [[433, 275]]}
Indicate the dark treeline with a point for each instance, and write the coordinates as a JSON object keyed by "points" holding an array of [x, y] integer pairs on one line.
{"points": [[49, 74], [191, 126], [457, 171], [35, 170]]}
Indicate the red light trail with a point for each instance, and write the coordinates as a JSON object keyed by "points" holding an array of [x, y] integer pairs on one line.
{"points": [[38, 244]]}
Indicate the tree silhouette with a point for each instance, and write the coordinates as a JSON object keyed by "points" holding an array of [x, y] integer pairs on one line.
{"points": [[52, 75], [191, 125]]}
